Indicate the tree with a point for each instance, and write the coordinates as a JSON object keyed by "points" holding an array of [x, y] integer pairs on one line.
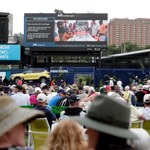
{"points": [[147, 47], [58, 11]]}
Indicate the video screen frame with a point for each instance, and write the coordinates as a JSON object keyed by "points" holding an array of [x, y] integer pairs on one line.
{"points": [[47, 30]]}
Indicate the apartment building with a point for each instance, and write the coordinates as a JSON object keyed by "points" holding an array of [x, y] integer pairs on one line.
{"points": [[128, 30]]}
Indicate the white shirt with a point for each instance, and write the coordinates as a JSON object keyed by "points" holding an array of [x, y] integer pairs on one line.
{"points": [[146, 112], [134, 113], [21, 99]]}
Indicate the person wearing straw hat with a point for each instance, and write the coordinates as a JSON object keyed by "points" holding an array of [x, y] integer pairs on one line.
{"points": [[107, 122], [12, 121]]}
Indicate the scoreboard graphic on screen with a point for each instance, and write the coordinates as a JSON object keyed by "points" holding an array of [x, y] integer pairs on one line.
{"points": [[65, 30]]}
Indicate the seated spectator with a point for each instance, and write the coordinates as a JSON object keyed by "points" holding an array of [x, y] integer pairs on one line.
{"points": [[33, 97], [107, 123], [67, 135], [74, 109], [5, 81], [41, 105], [64, 101], [19, 97], [60, 94], [12, 123], [140, 95], [146, 109], [127, 94], [143, 142], [6, 90], [135, 114], [82, 94]]}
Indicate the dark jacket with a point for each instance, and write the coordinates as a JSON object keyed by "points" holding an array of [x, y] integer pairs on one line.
{"points": [[48, 113]]}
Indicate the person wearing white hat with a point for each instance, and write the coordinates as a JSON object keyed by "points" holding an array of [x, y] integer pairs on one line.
{"points": [[41, 105], [33, 97], [12, 120]]}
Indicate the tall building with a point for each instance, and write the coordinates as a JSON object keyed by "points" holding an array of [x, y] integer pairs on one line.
{"points": [[126, 30]]}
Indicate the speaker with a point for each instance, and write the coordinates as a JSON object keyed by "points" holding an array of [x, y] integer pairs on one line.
{"points": [[3, 30]]}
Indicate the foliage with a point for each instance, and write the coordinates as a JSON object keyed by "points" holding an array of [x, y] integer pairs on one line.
{"points": [[58, 11], [124, 47]]}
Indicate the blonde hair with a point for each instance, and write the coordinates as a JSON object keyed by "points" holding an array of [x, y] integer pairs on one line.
{"points": [[67, 135]]}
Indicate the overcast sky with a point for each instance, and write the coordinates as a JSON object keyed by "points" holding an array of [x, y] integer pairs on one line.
{"points": [[115, 8]]}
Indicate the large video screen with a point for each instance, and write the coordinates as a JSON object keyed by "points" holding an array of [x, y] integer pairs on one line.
{"points": [[65, 30]]}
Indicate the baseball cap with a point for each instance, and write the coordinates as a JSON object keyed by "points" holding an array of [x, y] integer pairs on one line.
{"points": [[61, 91], [41, 97], [37, 89], [43, 85], [74, 98], [70, 91]]}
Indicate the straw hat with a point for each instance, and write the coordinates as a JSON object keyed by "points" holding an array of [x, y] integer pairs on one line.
{"points": [[74, 87], [12, 115], [110, 116]]}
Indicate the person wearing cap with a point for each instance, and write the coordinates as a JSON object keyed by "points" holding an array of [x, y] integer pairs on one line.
{"points": [[82, 94], [43, 85], [146, 109], [74, 109], [91, 91], [106, 129], [64, 101], [41, 105], [19, 97], [60, 94], [46, 90], [12, 121], [33, 100], [140, 95]]}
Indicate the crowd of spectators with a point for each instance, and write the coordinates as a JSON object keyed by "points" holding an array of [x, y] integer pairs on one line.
{"points": [[105, 114]]}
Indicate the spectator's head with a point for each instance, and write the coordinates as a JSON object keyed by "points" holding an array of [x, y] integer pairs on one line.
{"points": [[147, 102], [61, 92], [74, 98], [127, 88], [44, 86], [91, 89], [107, 118], [70, 91], [140, 87], [41, 98], [18, 88], [12, 120], [67, 135], [37, 90], [19, 82], [6, 89], [74, 86]]}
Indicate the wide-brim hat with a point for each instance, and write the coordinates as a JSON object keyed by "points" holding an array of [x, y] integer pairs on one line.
{"points": [[74, 86], [12, 115], [108, 115]]}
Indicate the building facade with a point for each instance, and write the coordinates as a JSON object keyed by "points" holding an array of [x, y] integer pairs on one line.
{"points": [[126, 30]]}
